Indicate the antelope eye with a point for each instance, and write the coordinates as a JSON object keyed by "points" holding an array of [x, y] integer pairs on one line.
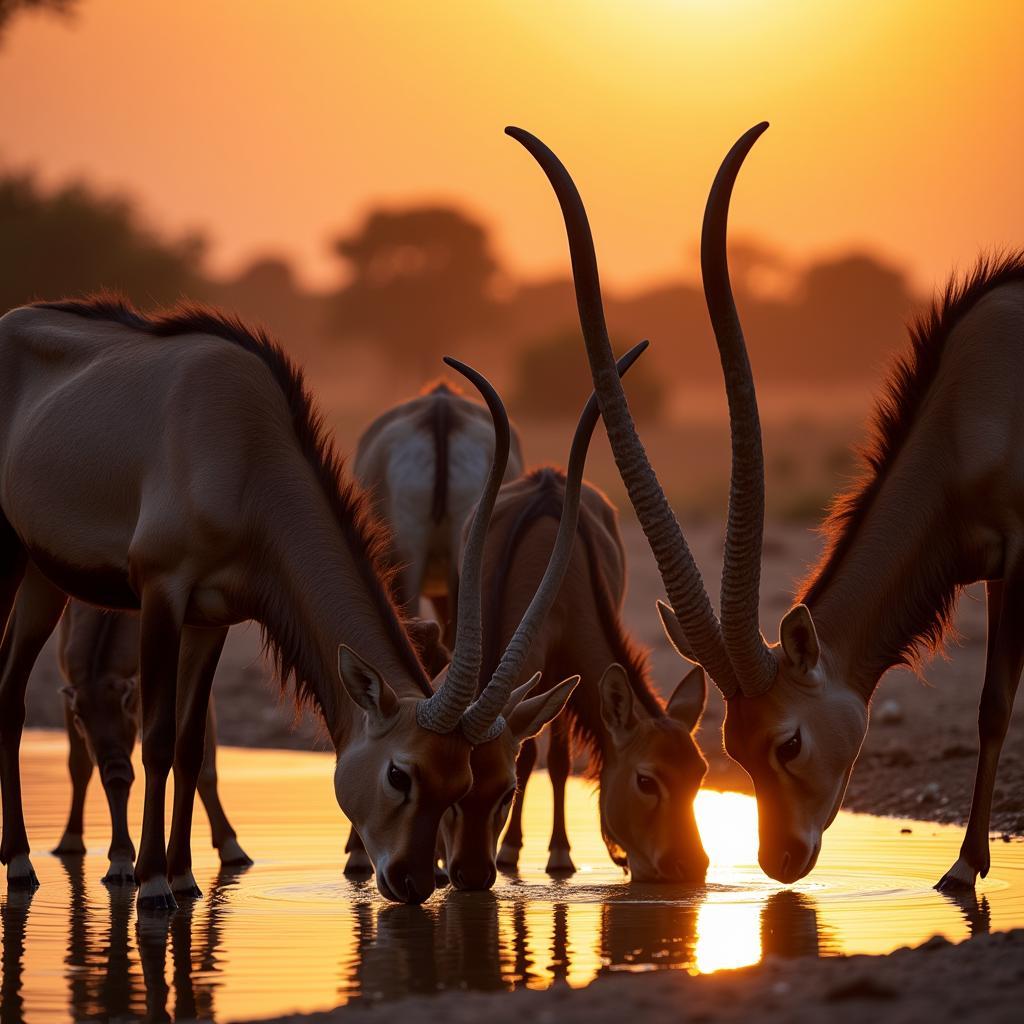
{"points": [[646, 784], [399, 779], [787, 751]]}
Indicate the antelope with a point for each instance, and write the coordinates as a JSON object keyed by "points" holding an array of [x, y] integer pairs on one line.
{"points": [[939, 506], [641, 753], [98, 653], [174, 464], [425, 462], [470, 831]]}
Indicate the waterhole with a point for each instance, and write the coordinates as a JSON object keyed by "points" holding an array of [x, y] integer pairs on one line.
{"points": [[292, 934]]}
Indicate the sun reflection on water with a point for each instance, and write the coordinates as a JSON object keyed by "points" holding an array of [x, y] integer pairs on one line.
{"points": [[292, 935]]}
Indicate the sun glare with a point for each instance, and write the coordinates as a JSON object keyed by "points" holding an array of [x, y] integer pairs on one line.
{"points": [[728, 828]]}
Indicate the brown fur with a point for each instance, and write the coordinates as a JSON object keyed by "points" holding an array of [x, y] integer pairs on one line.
{"points": [[584, 713], [930, 605], [366, 536]]}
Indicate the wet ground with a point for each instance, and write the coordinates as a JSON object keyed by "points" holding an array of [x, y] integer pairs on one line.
{"points": [[291, 934]]}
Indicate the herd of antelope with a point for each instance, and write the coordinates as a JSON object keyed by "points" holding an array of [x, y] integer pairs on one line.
{"points": [[171, 476]]}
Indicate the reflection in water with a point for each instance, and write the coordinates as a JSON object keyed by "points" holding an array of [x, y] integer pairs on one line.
{"points": [[290, 934]]}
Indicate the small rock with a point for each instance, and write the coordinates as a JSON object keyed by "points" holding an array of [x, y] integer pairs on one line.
{"points": [[897, 757], [861, 987], [889, 712], [957, 750], [906, 831]]}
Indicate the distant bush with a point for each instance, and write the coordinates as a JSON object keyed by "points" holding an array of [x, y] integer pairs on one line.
{"points": [[73, 241], [553, 380]]}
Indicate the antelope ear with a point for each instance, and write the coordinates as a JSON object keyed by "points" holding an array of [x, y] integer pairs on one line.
{"points": [[617, 709], [799, 638], [674, 632], [366, 686], [686, 704], [534, 713], [426, 637], [517, 696]]}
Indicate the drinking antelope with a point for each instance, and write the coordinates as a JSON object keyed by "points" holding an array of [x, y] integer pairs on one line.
{"points": [[642, 754], [175, 464], [98, 654], [425, 462], [940, 506], [470, 831]]}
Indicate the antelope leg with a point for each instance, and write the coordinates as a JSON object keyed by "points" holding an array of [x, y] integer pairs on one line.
{"points": [[80, 768], [1004, 660], [32, 621], [162, 618], [559, 765], [508, 855], [200, 651], [225, 839]]}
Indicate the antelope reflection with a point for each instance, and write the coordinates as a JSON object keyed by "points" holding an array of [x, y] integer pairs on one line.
{"points": [[122, 965], [110, 976]]}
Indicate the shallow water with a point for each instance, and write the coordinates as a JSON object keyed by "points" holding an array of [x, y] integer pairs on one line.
{"points": [[291, 934]]}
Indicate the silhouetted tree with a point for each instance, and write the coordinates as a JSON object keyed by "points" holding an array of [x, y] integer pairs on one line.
{"points": [[420, 281], [8, 8], [553, 380], [74, 241]]}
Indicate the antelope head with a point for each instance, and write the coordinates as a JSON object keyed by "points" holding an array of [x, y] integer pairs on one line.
{"points": [[105, 713], [650, 776], [792, 721], [408, 760], [473, 827]]}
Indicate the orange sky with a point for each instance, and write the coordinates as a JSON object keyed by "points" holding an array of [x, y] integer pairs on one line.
{"points": [[274, 124]]}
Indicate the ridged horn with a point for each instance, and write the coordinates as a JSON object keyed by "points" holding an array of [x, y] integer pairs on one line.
{"points": [[484, 721], [752, 661], [443, 711], [683, 583]]}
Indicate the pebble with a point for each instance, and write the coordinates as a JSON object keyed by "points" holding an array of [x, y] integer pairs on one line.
{"points": [[889, 712]]}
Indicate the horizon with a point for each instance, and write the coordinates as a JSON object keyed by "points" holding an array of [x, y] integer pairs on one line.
{"points": [[832, 152]]}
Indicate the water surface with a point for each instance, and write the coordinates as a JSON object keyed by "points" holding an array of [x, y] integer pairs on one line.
{"points": [[292, 934]]}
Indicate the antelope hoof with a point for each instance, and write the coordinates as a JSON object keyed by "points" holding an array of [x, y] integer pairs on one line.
{"points": [[185, 886], [71, 845], [121, 872], [358, 864], [560, 863], [508, 857], [232, 855], [155, 897], [20, 875], [959, 878]]}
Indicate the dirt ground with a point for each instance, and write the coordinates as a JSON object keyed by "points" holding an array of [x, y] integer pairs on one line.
{"points": [[918, 760]]}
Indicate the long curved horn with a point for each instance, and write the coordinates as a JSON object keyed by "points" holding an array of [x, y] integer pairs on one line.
{"points": [[752, 661], [679, 571], [483, 721], [442, 712]]}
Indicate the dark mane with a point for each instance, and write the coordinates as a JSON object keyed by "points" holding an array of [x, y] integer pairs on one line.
{"points": [[909, 381], [546, 501], [366, 537]]}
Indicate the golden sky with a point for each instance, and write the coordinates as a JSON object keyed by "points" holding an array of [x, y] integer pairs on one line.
{"points": [[896, 124]]}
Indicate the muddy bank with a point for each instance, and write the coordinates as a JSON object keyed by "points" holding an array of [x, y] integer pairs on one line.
{"points": [[981, 979], [920, 753]]}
